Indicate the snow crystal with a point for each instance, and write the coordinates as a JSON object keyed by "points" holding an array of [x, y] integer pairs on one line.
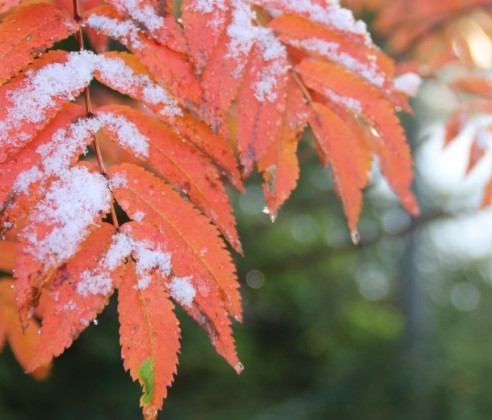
{"points": [[118, 181], [330, 50], [138, 216], [408, 83], [275, 70], [70, 206], [206, 6], [57, 155], [332, 15], [182, 290], [114, 28], [127, 133], [242, 34], [120, 249], [142, 13], [215, 7], [124, 78], [148, 259], [29, 104], [94, 282], [351, 104]]}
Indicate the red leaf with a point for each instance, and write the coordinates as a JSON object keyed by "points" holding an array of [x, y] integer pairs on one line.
{"points": [[27, 32], [196, 241], [24, 177], [32, 99], [337, 146], [77, 292], [149, 338], [22, 341], [54, 231], [181, 164], [200, 297], [262, 100], [279, 165], [203, 26], [123, 72], [170, 68]]}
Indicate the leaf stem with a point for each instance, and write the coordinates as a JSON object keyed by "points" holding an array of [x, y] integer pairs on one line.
{"points": [[88, 107]]}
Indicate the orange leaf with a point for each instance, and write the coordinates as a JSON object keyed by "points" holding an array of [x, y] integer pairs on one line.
{"points": [[366, 62], [337, 145], [165, 29], [170, 68], [203, 26], [22, 341], [196, 241], [77, 292], [262, 100], [6, 5], [279, 165], [7, 255], [27, 32], [181, 164], [123, 72], [149, 338], [198, 295], [388, 139], [24, 177], [54, 230], [29, 101]]}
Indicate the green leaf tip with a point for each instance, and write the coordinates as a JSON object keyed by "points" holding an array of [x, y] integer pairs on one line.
{"points": [[146, 378]]}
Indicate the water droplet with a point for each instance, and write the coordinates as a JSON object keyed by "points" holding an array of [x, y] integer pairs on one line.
{"points": [[355, 237], [273, 215], [239, 368], [95, 322]]}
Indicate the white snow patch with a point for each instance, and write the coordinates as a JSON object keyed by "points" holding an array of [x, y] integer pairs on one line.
{"points": [[330, 50], [31, 102], [125, 30], [351, 104], [182, 290], [138, 216], [72, 204], [408, 83], [142, 12], [275, 54], [94, 282], [123, 78]]}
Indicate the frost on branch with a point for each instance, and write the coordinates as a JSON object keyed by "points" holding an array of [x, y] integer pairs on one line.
{"points": [[233, 80]]}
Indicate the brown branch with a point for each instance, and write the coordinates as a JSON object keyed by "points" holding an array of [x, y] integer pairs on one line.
{"points": [[88, 107]]}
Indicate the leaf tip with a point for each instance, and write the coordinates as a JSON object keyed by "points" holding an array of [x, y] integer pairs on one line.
{"points": [[355, 236], [239, 367]]}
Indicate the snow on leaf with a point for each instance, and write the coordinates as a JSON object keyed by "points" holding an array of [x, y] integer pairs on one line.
{"points": [[149, 338], [68, 311], [204, 22], [27, 32], [31, 100], [262, 99], [181, 164], [186, 230], [73, 206], [170, 68], [192, 288], [279, 165], [144, 12]]}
